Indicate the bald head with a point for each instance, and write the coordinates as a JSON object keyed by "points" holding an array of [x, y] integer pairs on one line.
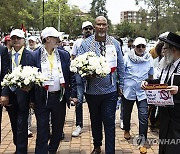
{"points": [[100, 18], [101, 27]]}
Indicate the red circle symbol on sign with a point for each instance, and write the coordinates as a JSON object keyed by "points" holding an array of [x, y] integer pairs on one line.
{"points": [[164, 94]]}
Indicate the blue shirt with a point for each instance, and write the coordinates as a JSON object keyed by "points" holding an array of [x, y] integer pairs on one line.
{"points": [[135, 73], [103, 85]]}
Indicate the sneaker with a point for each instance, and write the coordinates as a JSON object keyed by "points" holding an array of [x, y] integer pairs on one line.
{"points": [[77, 131], [30, 134], [121, 124]]}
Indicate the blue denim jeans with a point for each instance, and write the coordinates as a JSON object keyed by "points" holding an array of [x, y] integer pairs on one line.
{"points": [[80, 94], [102, 110], [142, 115]]}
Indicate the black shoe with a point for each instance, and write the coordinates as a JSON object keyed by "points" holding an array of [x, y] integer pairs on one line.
{"points": [[62, 136], [30, 134], [52, 152], [96, 150]]}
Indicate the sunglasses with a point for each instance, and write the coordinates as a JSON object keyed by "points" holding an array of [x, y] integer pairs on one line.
{"points": [[88, 28], [141, 46]]}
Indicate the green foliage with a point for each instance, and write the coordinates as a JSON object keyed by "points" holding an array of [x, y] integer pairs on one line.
{"points": [[165, 14], [14, 13], [98, 7], [124, 30]]}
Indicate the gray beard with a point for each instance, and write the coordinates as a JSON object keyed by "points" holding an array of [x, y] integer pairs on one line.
{"points": [[168, 59], [101, 34]]}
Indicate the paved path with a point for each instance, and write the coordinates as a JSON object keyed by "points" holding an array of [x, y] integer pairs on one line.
{"points": [[82, 144]]}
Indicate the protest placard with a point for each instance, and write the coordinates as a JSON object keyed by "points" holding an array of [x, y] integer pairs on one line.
{"points": [[157, 94]]}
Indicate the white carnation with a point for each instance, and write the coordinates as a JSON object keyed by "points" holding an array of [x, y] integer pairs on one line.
{"points": [[26, 82]]}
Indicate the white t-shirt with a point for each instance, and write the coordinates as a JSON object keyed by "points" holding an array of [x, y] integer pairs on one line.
{"points": [[126, 49], [76, 45]]}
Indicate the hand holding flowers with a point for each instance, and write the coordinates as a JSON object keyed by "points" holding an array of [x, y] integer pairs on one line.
{"points": [[89, 64], [23, 77]]}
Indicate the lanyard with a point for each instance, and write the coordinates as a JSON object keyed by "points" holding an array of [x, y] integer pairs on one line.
{"points": [[51, 60]]}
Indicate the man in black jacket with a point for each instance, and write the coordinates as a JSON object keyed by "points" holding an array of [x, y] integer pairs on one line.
{"points": [[57, 91], [18, 99], [170, 116], [4, 65]]}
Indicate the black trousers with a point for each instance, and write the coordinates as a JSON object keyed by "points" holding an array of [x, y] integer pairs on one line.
{"points": [[169, 130], [102, 110], [18, 113], [142, 115], [42, 112]]}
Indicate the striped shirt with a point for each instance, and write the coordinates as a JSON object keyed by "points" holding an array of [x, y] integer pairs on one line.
{"points": [[107, 84]]}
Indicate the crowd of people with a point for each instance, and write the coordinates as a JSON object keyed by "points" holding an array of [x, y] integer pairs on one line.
{"points": [[132, 68]]}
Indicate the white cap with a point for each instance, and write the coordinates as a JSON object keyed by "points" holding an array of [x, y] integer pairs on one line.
{"points": [[139, 40], [33, 38], [50, 31], [18, 33], [86, 23]]}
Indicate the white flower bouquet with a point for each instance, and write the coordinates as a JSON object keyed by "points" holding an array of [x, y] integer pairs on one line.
{"points": [[23, 77], [89, 64]]}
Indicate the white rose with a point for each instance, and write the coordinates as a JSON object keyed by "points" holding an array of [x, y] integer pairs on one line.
{"points": [[80, 64], [73, 69], [19, 84], [84, 74], [80, 72], [26, 81]]}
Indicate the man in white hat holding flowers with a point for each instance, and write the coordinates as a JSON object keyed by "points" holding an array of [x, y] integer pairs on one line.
{"points": [[18, 99], [59, 88]]}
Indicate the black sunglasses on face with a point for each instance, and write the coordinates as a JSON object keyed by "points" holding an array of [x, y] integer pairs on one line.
{"points": [[141, 45], [86, 28]]}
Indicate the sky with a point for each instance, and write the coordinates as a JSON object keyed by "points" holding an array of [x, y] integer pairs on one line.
{"points": [[114, 7]]}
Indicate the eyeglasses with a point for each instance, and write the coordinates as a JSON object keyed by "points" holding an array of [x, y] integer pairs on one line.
{"points": [[88, 28], [141, 45]]}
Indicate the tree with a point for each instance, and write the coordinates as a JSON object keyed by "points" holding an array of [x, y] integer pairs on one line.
{"points": [[30, 13], [124, 30], [13, 14], [165, 14], [156, 10], [98, 7], [35, 9]]}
